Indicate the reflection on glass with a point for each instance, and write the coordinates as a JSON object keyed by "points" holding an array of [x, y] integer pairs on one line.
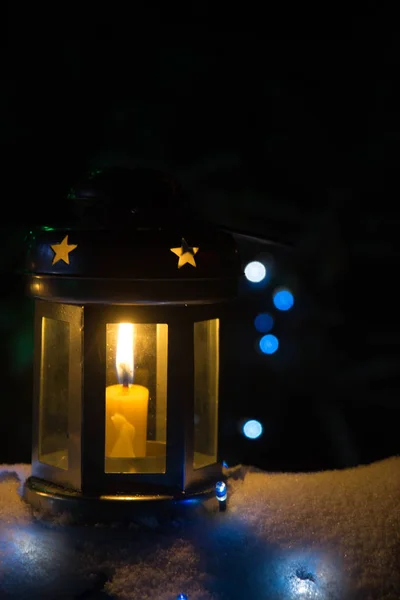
{"points": [[54, 393], [136, 398], [206, 373]]}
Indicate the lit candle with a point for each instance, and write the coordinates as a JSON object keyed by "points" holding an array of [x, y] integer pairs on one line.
{"points": [[126, 404]]}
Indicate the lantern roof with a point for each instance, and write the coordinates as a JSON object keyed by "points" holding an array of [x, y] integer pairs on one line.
{"points": [[133, 239]]}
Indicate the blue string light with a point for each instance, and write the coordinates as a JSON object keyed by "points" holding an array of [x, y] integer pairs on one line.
{"points": [[252, 429], [269, 344], [221, 491], [182, 597], [263, 322], [283, 299]]}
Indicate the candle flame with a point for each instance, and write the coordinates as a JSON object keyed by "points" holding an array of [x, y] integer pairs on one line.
{"points": [[124, 358]]}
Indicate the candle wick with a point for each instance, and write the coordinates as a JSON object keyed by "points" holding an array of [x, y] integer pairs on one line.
{"points": [[125, 378]]}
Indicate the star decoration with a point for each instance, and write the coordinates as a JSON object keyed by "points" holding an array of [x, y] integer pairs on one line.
{"points": [[186, 254], [61, 251]]}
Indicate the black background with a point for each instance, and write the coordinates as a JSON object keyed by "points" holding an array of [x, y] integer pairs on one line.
{"points": [[273, 131]]}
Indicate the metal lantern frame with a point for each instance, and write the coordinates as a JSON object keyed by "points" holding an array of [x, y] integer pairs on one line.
{"points": [[88, 294]]}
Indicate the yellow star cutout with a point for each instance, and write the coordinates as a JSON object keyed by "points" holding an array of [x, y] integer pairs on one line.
{"points": [[186, 254], [62, 251]]}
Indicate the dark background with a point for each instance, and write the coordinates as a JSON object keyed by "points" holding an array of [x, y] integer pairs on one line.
{"points": [[287, 137]]}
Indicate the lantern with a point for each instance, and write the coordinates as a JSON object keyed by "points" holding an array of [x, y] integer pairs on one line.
{"points": [[126, 365]]}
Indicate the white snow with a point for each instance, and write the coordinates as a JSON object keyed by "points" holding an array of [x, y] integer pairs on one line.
{"points": [[332, 535], [13, 509]]}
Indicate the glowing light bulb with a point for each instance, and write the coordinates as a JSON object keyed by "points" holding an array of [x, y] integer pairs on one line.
{"points": [[252, 429], [182, 597], [221, 491], [255, 271]]}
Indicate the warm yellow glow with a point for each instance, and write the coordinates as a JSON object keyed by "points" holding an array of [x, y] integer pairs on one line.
{"points": [[126, 404], [124, 359]]}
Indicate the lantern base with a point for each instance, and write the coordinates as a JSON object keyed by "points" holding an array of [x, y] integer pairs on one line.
{"points": [[54, 500]]}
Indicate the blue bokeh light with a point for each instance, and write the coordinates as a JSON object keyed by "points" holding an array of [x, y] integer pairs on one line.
{"points": [[182, 597], [263, 322], [255, 271], [269, 344], [252, 429], [283, 299]]}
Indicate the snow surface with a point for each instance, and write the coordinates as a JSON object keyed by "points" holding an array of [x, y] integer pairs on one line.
{"points": [[332, 535]]}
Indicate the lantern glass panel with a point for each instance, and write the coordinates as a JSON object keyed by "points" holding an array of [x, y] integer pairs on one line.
{"points": [[136, 398], [54, 393], [206, 374]]}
